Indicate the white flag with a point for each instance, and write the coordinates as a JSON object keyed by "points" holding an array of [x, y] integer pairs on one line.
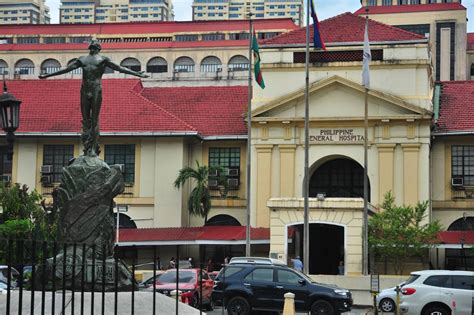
{"points": [[367, 57]]}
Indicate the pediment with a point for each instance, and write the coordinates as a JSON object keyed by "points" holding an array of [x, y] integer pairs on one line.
{"points": [[339, 98]]}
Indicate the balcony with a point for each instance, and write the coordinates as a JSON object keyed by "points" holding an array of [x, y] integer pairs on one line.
{"points": [[232, 198], [466, 192]]}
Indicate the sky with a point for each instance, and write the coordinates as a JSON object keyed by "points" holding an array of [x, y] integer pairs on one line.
{"points": [[324, 9]]}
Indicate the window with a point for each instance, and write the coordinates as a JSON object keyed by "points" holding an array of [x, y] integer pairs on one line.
{"points": [[186, 38], [27, 40], [260, 274], [421, 29], [371, 3], [54, 40], [387, 2], [57, 156], [122, 154], [463, 282], [285, 276], [462, 163], [229, 160], [211, 37], [439, 281], [5, 163]]}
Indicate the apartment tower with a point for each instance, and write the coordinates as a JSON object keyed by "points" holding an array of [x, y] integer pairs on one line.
{"points": [[24, 12]]}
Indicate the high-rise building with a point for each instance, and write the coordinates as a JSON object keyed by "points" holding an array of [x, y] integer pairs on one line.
{"points": [[238, 9], [443, 22], [24, 12], [111, 11]]}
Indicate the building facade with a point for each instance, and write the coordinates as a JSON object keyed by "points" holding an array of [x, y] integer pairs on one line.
{"points": [[444, 23], [114, 11], [24, 12], [205, 10]]}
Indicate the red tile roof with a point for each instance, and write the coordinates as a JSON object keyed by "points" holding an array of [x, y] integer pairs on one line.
{"points": [[124, 45], [470, 41], [50, 106], [214, 110], [190, 234], [411, 8], [146, 27], [455, 237], [344, 28], [456, 107]]}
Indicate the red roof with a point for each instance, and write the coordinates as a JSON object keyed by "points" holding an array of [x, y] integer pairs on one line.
{"points": [[385, 9], [456, 108], [192, 234], [216, 110], [124, 45], [147, 27], [50, 106], [456, 237], [345, 28]]}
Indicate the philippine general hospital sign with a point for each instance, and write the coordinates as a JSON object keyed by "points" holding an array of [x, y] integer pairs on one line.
{"points": [[349, 135]]}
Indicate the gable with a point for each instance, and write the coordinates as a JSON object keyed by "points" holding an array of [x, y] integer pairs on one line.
{"points": [[338, 98]]}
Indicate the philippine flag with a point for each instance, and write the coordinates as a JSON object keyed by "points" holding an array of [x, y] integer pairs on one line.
{"points": [[318, 41]]}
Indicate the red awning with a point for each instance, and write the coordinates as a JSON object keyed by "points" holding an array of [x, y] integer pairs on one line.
{"points": [[456, 237], [231, 235]]}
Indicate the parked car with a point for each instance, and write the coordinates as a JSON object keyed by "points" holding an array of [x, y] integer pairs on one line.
{"points": [[213, 274], [438, 292], [4, 275], [249, 284], [188, 284], [386, 299], [150, 280]]}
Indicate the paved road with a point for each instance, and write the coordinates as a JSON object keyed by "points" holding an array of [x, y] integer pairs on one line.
{"points": [[355, 311]]}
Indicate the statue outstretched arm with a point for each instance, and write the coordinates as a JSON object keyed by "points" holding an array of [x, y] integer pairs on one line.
{"points": [[125, 70], [72, 66]]}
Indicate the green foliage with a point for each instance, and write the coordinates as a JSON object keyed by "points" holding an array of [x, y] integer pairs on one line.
{"points": [[23, 215], [199, 202], [399, 232]]}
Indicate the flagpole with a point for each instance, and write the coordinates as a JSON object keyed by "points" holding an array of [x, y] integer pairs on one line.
{"points": [[365, 245], [306, 150], [249, 138]]}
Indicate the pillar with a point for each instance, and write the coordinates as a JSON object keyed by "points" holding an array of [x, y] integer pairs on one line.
{"points": [[263, 183]]}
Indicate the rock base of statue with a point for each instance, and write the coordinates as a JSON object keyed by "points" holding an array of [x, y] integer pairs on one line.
{"points": [[84, 200]]}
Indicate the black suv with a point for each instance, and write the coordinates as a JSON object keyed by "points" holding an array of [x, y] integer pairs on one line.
{"points": [[248, 284]]}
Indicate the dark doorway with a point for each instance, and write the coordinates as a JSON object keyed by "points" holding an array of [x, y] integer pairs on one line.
{"points": [[339, 177], [326, 247], [125, 222]]}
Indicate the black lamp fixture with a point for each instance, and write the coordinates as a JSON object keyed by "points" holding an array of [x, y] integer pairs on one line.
{"points": [[10, 117]]}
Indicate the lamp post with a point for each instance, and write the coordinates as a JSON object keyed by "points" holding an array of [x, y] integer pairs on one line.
{"points": [[10, 117]]}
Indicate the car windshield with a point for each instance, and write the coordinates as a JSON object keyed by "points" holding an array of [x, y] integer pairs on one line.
{"points": [[184, 277]]}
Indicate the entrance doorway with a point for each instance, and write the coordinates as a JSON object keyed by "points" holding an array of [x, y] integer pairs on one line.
{"points": [[326, 246]]}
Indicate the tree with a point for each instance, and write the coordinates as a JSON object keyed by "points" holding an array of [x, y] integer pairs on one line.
{"points": [[398, 232], [199, 202]]}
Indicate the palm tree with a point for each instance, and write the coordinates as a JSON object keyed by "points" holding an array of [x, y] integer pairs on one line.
{"points": [[199, 202]]}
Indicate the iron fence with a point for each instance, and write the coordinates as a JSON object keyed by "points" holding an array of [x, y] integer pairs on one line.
{"points": [[55, 277]]}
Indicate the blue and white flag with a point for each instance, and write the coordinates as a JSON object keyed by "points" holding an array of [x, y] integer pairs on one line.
{"points": [[367, 57]]}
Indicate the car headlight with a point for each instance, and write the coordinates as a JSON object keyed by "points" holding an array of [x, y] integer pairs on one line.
{"points": [[341, 292]]}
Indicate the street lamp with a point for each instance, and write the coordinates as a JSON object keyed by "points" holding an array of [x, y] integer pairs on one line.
{"points": [[10, 117]]}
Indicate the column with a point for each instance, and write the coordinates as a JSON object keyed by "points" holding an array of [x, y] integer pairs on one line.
{"points": [[287, 169], [385, 175], [410, 173], [263, 183]]}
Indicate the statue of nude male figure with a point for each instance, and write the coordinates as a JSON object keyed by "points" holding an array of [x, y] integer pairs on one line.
{"points": [[93, 67]]}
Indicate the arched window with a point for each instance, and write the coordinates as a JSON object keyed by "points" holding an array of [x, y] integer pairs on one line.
{"points": [[3, 66], [125, 222], [25, 66], [211, 64], [50, 66], [132, 64], [75, 71], [462, 224], [340, 177], [157, 65], [238, 63], [184, 64], [223, 219]]}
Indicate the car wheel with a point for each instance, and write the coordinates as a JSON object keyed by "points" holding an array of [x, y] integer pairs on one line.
{"points": [[195, 301], [436, 310], [210, 306], [387, 305], [322, 307], [238, 306]]}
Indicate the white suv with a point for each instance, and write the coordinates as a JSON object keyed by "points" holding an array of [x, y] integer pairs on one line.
{"points": [[438, 292]]}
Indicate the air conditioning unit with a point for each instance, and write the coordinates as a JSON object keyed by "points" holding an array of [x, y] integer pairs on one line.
{"points": [[233, 182], [213, 183], [213, 172], [6, 178], [46, 169], [233, 172], [47, 179], [457, 182]]}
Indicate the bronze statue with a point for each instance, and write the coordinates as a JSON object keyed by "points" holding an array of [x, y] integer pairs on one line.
{"points": [[93, 67]]}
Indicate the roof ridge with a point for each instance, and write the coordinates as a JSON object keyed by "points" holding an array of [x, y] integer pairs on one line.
{"points": [[158, 106]]}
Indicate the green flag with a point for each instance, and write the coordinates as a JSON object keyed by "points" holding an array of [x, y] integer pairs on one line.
{"points": [[256, 55]]}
